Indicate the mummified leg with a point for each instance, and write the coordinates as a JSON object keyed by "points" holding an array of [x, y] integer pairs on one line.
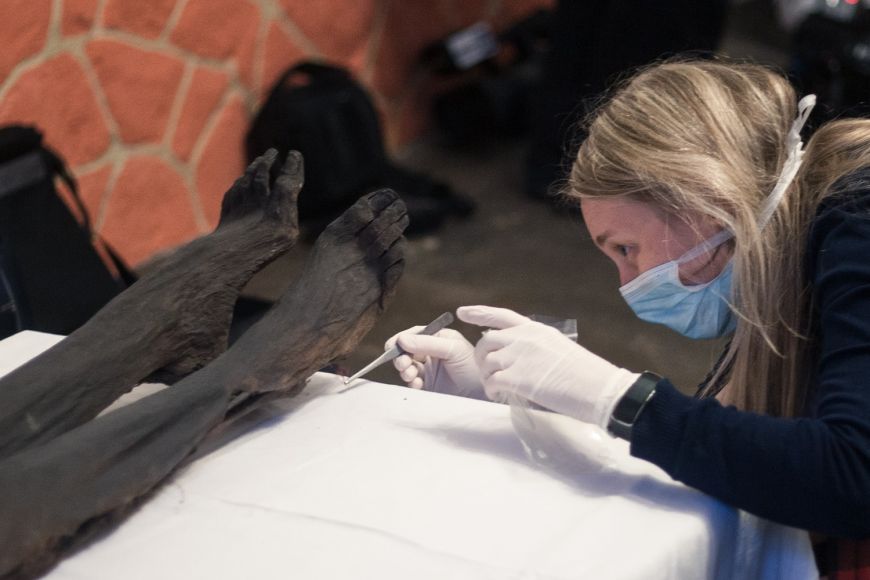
{"points": [[52, 495], [175, 319], [352, 271]]}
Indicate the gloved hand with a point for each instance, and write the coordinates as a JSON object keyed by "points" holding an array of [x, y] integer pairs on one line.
{"points": [[539, 363], [442, 363]]}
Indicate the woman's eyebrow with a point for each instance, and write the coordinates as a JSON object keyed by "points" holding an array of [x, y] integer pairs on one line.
{"points": [[602, 237]]}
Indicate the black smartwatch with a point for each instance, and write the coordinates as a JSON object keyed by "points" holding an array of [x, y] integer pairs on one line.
{"points": [[630, 406]]}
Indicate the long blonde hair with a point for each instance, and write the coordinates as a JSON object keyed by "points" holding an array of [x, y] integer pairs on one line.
{"points": [[709, 138]]}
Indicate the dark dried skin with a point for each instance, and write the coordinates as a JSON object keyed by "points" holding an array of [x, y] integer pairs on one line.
{"points": [[350, 274], [171, 322], [54, 492]]}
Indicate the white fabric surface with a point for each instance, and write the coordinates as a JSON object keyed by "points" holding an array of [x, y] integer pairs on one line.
{"points": [[380, 481]]}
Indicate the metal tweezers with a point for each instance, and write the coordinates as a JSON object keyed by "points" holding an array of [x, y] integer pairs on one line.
{"points": [[441, 322]]}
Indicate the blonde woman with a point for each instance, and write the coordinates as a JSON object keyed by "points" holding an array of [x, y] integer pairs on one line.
{"points": [[694, 182]]}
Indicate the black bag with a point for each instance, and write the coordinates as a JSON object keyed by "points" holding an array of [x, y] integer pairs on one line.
{"points": [[321, 111], [51, 277]]}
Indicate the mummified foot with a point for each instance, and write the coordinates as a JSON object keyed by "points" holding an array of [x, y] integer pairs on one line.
{"points": [[346, 284], [201, 282], [175, 319], [57, 494]]}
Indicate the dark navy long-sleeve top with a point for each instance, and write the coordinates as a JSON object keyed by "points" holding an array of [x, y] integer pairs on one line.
{"points": [[811, 472]]}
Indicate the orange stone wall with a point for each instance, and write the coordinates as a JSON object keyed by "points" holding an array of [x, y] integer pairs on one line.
{"points": [[149, 100]]}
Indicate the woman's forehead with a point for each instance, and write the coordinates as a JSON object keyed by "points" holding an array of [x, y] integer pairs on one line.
{"points": [[618, 212], [629, 220]]}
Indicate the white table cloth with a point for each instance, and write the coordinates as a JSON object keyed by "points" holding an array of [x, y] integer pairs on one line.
{"points": [[380, 481]]}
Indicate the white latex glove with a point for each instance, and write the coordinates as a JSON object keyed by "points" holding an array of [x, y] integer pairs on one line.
{"points": [[442, 363], [539, 363]]}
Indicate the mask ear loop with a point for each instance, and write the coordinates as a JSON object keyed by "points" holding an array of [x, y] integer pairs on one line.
{"points": [[789, 171], [792, 163], [707, 245]]}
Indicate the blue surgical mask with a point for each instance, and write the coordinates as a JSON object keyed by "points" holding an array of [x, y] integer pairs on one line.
{"points": [[703, 310], [699, 311]]}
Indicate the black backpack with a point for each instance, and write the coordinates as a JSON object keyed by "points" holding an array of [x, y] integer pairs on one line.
{"points": [[51, 277], [321, 111]]}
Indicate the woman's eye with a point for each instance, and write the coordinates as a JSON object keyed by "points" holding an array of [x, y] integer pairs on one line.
{"points": [[622, 250]]}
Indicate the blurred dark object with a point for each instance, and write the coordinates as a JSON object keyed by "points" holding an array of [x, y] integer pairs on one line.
{"points": [[53, 279], [831, 58], [500, 73], [321, 111], [462, 50], [593, 43]]}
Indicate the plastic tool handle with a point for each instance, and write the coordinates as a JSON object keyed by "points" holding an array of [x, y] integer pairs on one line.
{"points": [[439, 323], [442, 321]]}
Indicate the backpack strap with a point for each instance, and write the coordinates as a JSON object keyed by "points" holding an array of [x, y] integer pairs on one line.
{"points": [[58, 168], [55, 274]]}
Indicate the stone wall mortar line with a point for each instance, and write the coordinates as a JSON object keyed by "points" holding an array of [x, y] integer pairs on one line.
{"points": [[260, 53], [228, 65], [21, 68], [99, 24], [102, 208], [108, 157], [127, 150], [297, 36], [196, 153], [121, 152], [373, 49], [116, 151], [55, 45], [173, 19], [138, 149], [271, 13], [118, 155], [199, 220], [157, 45], [395, 111], [208, 128], [71, 43], [178, 104], [168, 153], [54, 34], [168, 49], [249, 98], [99, 95], [188, 174], [94, 216], [270, 10], [186, 169]]}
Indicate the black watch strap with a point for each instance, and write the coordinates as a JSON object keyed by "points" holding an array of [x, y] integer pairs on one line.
{"points": [[631, 404]]}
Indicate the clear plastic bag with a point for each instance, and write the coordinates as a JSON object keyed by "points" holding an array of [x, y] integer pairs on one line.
{"points": [[556, 442]]}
